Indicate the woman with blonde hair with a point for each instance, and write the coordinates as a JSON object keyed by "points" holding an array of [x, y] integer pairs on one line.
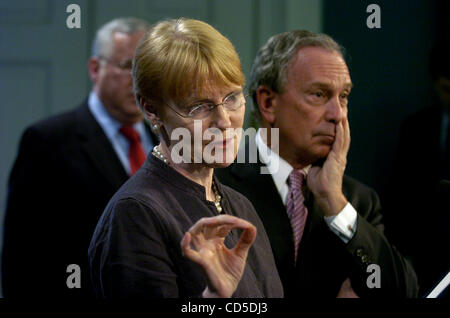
{"points": [[173, 230]]}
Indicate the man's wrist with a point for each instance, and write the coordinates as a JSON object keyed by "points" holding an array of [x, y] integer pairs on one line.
{"points": [[344, 224], [332, 204]]}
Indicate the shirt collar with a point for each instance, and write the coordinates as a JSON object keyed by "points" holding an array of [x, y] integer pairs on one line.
{"points": [[279, 168], [109, 124]]}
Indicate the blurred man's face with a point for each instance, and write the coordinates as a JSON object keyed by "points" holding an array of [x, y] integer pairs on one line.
{"points": [[314, 101], [112, 78], [442, 86]]}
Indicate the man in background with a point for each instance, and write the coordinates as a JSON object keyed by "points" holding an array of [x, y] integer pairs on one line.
{"points": [[325, 228], [66, 170]]}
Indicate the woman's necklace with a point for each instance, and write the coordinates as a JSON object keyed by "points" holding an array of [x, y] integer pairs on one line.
{"points": [[157, 153]]}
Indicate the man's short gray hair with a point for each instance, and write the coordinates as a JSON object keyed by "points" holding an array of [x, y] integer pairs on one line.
{"points": [[103, 44], [272, 61]]}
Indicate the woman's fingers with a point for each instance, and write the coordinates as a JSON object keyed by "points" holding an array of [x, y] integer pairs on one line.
{"points": [[223, 267], [221, 231], [219, 227], [247, 238], [204, 223], [187, 251]]}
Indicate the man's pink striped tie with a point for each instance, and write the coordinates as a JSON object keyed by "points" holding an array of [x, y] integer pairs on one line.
{"points": [[295, 206]]}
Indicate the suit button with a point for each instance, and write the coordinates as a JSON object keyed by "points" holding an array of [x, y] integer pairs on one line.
{"points": [[365, 259], [359, 252]]}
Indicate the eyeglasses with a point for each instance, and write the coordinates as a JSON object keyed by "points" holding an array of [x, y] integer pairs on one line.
{"points": [[201, 111], [124, 66]]}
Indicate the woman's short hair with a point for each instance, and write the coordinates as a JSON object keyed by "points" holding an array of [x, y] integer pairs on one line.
{"points": [[177, 58]]}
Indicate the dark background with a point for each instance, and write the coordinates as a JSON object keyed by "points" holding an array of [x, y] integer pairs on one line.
{"points": [[389, 68]]}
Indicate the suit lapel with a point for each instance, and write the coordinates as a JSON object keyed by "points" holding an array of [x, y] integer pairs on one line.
{"points": [[261, 190], [98, 148], [265, 189], [260, 185]]}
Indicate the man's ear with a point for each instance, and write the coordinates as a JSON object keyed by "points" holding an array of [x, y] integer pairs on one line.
{"points": [[265, 97], [94, 68]]}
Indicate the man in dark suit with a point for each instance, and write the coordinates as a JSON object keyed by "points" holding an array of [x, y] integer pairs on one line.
{"points": [[422, 163], [325, 228], [67, 169]]}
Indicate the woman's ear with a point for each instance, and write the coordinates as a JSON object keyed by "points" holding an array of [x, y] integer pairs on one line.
{"points": [[151, 113], [150, 110], [267, 103]]}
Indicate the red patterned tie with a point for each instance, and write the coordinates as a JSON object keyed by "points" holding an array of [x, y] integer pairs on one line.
{"points": [[136, 154], [296, 208]]}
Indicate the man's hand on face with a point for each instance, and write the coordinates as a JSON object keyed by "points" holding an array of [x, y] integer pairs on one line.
{"points": [[325, 181]]}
